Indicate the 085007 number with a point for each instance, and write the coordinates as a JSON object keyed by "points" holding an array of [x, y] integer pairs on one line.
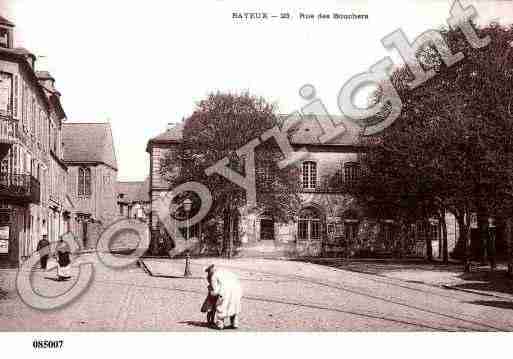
{"points": [[47, 344]]}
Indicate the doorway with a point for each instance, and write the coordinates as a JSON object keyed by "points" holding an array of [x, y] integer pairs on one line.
{"points": [[267, 227]]}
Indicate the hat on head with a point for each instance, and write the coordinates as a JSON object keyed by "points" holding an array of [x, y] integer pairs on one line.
{"points": [[210, 268]]}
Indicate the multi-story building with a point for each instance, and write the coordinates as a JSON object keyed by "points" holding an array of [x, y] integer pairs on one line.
{"points": [[133, 199], [61, 215], [328, 221], [30, 153], [90, 157]]}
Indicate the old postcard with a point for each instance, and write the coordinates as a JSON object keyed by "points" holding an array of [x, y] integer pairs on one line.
{"points": [[231, 166]]}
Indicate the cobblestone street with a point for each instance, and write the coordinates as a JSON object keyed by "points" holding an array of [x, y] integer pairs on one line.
{"points": [[278, 296]]}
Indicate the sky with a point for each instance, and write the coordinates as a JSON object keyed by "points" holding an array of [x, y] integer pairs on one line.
{"points": [[143, 64]]}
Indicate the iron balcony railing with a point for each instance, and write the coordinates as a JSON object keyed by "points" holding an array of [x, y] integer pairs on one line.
{"points": [[9, 130], [19, 188]]}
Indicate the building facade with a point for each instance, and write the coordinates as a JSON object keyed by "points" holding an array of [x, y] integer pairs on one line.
{"points": [[32, 198], [90, 157], [327, 223], [133, 200]]}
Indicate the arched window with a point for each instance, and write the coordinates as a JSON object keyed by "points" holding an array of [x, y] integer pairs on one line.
{"points": [[309, 225], [309, 179], [84, 181]]}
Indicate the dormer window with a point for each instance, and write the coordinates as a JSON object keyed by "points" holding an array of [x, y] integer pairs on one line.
{"points": [[5, 37], [6, 28]]}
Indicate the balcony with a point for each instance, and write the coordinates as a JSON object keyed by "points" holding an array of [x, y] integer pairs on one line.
{"points": [[9, 131], [19, 188]]}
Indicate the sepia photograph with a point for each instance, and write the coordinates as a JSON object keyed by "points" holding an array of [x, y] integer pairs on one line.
{"points": [[224, 168]]}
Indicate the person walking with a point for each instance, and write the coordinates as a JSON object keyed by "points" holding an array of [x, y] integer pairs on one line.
{"points": [[226, 286], [43, 247], [63, 260]]}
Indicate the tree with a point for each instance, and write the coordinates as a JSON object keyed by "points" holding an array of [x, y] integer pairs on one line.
{"points": [[450, 148], [220, 125]]}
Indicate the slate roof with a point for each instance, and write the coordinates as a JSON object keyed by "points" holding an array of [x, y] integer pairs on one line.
{"points": [[133, 191], [308, 130], [171, 134], [88, 142], [4, 21]]}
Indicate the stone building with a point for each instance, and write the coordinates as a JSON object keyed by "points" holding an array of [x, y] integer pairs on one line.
{"points": [[133, 199], [90, 157], [157, 148], [327, 223], [32, 173]]}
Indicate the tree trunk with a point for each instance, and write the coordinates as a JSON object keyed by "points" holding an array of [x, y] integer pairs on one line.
{"points": [[445, 247], [466, 232], [230, 240], [402, 238], [482, 219], [226, 233], [509, 241], [429, 247], [459, 248]]}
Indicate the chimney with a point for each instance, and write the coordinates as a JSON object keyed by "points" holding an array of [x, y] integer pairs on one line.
{"points": [[47, 81]]}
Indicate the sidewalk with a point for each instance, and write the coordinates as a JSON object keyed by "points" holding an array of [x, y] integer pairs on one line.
{"points": [[480, 281]]}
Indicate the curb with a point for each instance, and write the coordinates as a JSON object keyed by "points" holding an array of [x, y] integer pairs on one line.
{"points": [[144, 267], [446, 286]]}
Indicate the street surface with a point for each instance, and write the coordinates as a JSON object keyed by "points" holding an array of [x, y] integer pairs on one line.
{"points": [[278, 296]]}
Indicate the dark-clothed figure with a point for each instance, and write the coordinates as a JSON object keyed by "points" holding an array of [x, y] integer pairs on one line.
{"points": [[64, 261], [209, 305], [492, 231], [43, 247]]}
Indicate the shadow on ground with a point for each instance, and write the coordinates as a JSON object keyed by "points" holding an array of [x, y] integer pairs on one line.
{"points": [[486, 281], [494, 303], [383, 266], [193, 323]]}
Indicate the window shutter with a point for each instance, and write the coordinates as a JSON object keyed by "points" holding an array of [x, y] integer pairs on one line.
{"points": [[15, 99]]}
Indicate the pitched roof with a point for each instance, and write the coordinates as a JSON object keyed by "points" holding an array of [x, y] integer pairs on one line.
{"points": [[172, 135], [4, 21], [88, 142], [133, 191], [308, 130]]}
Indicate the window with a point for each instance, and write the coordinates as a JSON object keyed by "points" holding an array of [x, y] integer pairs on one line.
{"points": [[5, 94], [33, 115], [309, 179], [388, 235], [309, 225], [351, 172], [4, 37], [84, 181]]}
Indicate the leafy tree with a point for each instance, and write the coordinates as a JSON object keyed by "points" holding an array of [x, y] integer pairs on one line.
{"points": [[451, 147], [220, 125]]}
